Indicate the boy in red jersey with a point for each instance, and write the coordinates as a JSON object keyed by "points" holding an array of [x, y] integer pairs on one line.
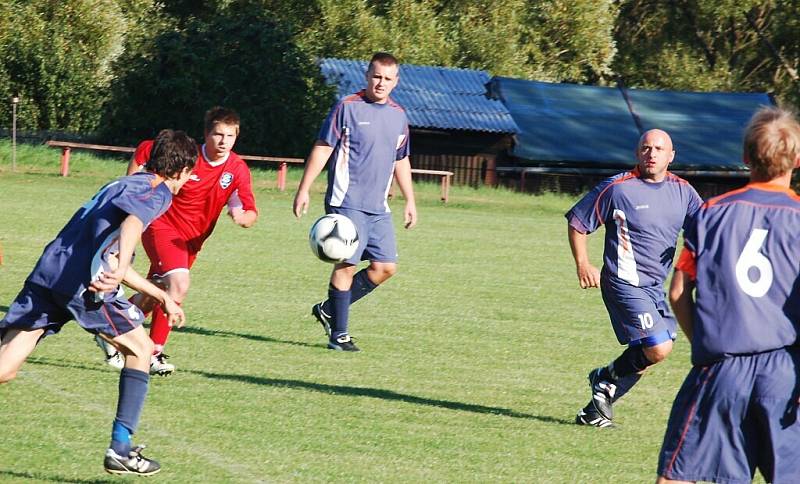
{"points": [[173, 241], [736, 294]]}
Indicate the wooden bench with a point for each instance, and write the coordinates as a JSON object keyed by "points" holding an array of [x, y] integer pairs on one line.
{"points": [[446, 181], [67, 147]]}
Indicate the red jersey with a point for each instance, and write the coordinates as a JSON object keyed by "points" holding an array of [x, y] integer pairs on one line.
{"points": [[196, 208]]}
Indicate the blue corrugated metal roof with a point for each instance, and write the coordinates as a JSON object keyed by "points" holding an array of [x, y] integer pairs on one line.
{"points": [[567, 122], [589, 125], [706, 127], [433, 97]]}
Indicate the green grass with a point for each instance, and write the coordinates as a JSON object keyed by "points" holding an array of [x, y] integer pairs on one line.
{"points": [[474, 355]]}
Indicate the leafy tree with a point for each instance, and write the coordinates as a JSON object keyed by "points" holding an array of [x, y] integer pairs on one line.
{"points": [[742, 45], [239, 58], [57, 54]]}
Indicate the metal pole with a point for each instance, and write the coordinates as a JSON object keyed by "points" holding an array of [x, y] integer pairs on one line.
{"points": [[14, 102]]}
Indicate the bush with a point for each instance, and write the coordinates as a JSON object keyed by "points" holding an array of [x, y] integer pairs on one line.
{"points": [[239, 58]]}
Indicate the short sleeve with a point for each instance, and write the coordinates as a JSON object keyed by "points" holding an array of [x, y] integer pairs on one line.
{"points": [[403, 143], [332, 127], [144, 202], [695, 202], [244, 189], [591, 211], [142, 153]]}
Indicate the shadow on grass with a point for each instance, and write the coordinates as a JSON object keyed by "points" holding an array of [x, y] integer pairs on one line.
{"points": [[101, 367], [4, 309], [38, 476], [231, 334], [382, 394]]}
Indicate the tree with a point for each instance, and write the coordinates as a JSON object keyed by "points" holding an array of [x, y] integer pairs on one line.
{"points": [[710, 45], [239, 58], [57, 54]]}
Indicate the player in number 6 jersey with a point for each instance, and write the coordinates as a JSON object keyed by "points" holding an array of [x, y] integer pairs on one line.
{"points": [[737, 409], [643, 211]]}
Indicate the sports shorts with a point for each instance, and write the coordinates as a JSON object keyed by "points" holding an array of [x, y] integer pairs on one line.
{"points": [[376, 240], [733, 417], [168, 251], [37, 307], [639, 315]]}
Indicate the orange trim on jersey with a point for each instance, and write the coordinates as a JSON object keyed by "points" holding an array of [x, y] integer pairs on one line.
{"points": [[673, 177], [687, 262], [357, 97], [772, 187], [158, 180], [768, 187], [630, 175]]}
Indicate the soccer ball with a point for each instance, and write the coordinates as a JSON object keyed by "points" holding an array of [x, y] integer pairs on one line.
{"points": [[333, 238]]}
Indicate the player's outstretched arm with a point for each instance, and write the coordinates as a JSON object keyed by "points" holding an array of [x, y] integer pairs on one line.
{"points": [[316, 162], [402, 173], [682, 301], [588, 275], [135, 281]]}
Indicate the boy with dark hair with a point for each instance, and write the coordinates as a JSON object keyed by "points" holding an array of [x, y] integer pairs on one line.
{"points": [[737, 409], [78, 277]]}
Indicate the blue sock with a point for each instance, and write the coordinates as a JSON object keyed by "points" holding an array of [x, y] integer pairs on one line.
{"points": [[360, 288], [132, 392], [340, 309], [121, 441]]}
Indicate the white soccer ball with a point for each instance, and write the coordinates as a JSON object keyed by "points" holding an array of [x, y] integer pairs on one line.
{"points": [[333, 238]]}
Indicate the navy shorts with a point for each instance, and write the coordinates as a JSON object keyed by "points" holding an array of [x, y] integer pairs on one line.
{"points": [[639, 315], [376, 240], [734, 416], [37, 307]]}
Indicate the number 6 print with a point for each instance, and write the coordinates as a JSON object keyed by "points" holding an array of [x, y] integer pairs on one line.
{"points": [[751, 257]]}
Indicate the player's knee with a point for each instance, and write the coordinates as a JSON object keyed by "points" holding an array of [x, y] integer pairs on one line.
{"points": [[658, 353], [140, 346], [179, 286], [382, 272]]}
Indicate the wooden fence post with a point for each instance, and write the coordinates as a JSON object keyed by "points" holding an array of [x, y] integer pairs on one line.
{"points": [[283, 168], [65, 161]]}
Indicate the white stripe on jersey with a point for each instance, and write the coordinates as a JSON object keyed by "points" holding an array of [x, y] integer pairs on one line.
{"points": [[626, 264], [105, 260], [341, 175], [388, 187]]}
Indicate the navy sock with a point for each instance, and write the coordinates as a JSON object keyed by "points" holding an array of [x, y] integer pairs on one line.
{"points": [[132, 392], [360, 288], [624, 385], [340, 309], [631, 361]]}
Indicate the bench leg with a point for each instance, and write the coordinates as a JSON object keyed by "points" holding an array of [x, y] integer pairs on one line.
{"points": [[283, 168], [65, 161], [445, 187]]}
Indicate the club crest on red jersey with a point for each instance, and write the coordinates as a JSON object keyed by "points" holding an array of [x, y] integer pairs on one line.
{"points": [[226, 179]]}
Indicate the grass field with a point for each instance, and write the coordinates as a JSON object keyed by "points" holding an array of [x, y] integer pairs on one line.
{"points": [[474, 356]]}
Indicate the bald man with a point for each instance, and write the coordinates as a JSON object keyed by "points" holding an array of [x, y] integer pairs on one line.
{"points": [[643, 210]]}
